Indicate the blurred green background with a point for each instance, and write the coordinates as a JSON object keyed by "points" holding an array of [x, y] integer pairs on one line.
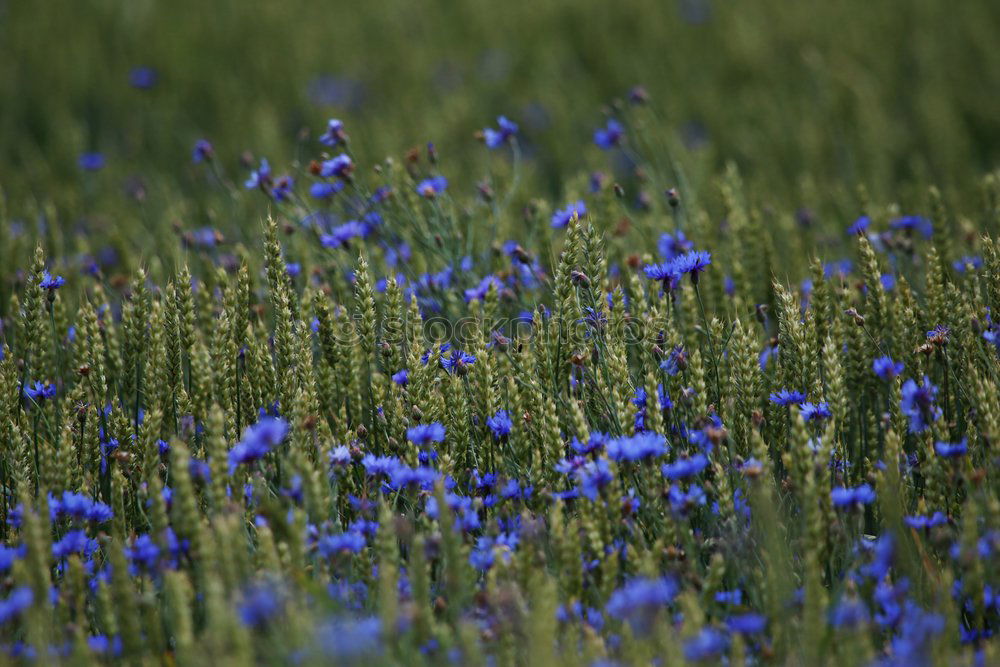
{"points": [[836, 92]]}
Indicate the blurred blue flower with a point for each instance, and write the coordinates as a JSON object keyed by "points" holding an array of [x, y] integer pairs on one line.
{"points": [[91, 161], [949, 450], [913, 223], [684, 468], [202, 151], [562, 216], [340, 166], [258, 440], [850, 498], [142, 77], [637, 447], [500, 424], [432, 187], [19, 600], [259, 177], [859, 226], [815, 411], [610, 135], [886, 368], [261, 603], [496, 138], [917, 403], [424, 434], [334, 134]]}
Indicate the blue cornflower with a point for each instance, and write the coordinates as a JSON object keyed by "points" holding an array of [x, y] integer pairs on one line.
{"points": [[496, 138], [962, 265], [324, 190], [939, 334], [143, 554], [747, 624], [259, 177], [610, 135], [432, 187], [597, 181], [91, 161], [913, 223], [39, 391], [205, 237], [672, 245], [838, 268], [788, 397], [258, 440], [402, 378], [334, 545], [8, 555], [729, 285], [480, 291], [859, 226], [594, 443], [924, 522], [74, 542], [424, 434], [949, 450], [370, 222], [334, 135], [340, 236], [500, 424], [664, 273], [882, 551], [684, 468], [888, 281], [107, 447], [733, 597], [282, 188], [102, 645], [707, 644], [815, 411], [340, 166], [916, 630], [917, 403], [340, 457], [51, 282], [142, 77], [260, 604], [886, 368], [482, 557], [570, 465], [850, 613], [99, 512], [345, 639], [848, 498], [594, 476], [202, 151], [17, 602], [765, 356], [79, 507], [442, 349], [457, 361], [637, 447], [640, 600], [692, 262], [562, 216], [681, 502], [376, 466], [403, 476], [675, 362]]}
